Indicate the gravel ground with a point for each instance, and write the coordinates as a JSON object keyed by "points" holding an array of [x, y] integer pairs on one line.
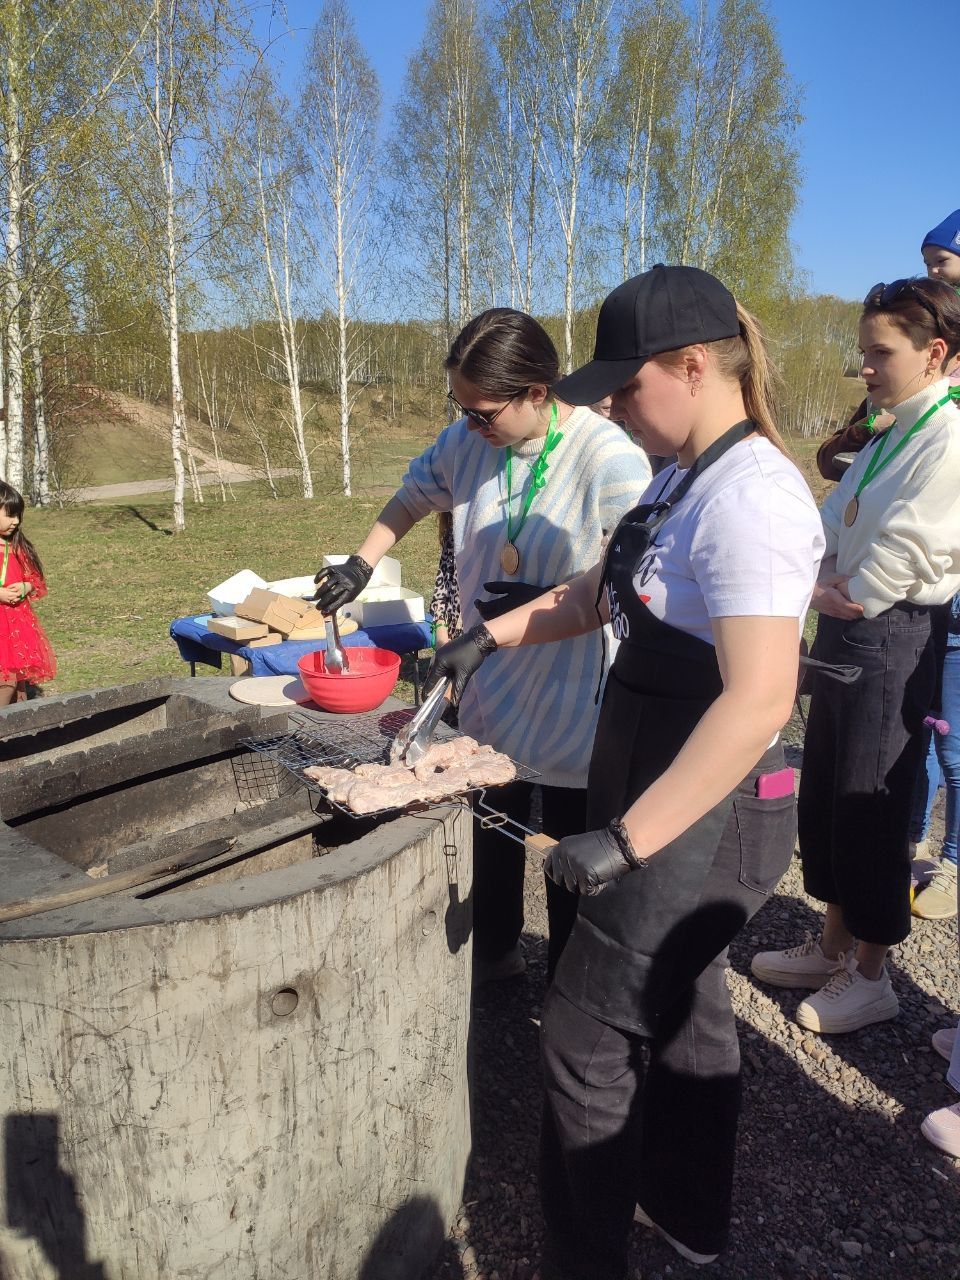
{"points": [[833, 1178]]}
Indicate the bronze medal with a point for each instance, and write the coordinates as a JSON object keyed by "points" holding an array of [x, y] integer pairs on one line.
{"points": [[850, 511], [510, 559]]}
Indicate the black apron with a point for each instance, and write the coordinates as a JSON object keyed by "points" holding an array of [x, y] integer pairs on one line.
{"points": [[636, 947]]}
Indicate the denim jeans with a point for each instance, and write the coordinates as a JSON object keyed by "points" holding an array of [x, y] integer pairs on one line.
{"points": [[941, 755]]}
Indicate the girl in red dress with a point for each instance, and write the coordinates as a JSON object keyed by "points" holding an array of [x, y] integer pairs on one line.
{"points": [[25, 653]]}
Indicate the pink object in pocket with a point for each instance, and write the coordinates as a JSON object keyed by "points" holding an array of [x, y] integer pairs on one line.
{"points": [[772, 786]]}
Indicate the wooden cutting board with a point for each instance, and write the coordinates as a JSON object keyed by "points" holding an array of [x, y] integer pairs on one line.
{"points": [[270, 691]]}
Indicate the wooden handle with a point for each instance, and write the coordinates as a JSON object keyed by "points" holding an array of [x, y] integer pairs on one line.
{"points": [[115, 883], [163, 873], [540, 843]]}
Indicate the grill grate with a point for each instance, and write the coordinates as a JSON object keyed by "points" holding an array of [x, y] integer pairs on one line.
{"points": [[362, 739]]}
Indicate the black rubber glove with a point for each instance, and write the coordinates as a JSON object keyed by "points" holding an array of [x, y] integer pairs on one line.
{"points": [[458, 660], [511, 596], [338, 584], [585, 864]]}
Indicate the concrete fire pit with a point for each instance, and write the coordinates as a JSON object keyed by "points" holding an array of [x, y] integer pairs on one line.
{"points": [[254, 1066]]}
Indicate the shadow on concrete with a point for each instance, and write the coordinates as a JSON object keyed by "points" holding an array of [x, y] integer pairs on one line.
{"points": [[41, 1197], [409, 1243]]}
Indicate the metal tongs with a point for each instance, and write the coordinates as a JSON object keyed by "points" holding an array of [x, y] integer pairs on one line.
{"points": [[335, 659], [410, 744]]}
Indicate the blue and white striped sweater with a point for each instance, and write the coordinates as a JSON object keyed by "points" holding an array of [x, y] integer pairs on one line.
{"points": [[536, 704]]}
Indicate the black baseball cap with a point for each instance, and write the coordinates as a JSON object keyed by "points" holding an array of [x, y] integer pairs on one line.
{"points": [[661, 310]]}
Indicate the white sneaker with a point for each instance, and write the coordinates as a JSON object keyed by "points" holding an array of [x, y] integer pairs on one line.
{"points": [[698, 1259], [942, 1128], [943, 1041], [802, 966], [849, 1001]]}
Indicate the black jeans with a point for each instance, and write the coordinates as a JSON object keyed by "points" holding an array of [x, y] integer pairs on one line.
{"points": [[631, 1119], [498, 867], [861, 754]]}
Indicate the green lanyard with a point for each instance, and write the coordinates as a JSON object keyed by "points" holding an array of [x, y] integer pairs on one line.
{"points": [[6, 558], [875, 465], [538, 476]]}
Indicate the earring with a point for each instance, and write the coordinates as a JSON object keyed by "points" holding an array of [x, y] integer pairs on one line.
{"points": [[695, 386]]}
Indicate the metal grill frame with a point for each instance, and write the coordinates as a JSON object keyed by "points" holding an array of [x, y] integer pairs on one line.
{"points": [[366, 739]]}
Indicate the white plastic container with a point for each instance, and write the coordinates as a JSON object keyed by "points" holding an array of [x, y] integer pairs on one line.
{"points": [[385, 607], [386, 574], [301, 588], [225, 597]]}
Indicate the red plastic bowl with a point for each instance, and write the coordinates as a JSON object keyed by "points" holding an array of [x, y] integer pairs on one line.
{"points": [[369, 682]]}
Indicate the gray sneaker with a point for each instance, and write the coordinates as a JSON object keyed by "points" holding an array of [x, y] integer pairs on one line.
{"points": [[801, 966], [848, 1001], [937, 899]]}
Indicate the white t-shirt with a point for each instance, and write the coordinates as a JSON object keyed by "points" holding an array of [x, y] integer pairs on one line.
{"points": [[745, 540]]}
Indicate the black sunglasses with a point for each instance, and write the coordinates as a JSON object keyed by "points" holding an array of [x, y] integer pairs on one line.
{"points": [[479, 416], [882, 295]]}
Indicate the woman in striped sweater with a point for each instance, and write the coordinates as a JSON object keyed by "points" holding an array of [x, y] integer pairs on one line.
{"points": [[532, 484]]}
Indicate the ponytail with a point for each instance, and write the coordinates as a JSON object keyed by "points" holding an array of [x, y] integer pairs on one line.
{"points": [[754, 370]]}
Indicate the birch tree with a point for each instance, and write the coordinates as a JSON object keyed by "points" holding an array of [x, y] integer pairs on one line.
{"points": [[341, 106], [513, 164], [734, 184], [642, 123], [573, 38], [16, 67], [279, 168], [60, 68], [187, 54], [443, 125]]}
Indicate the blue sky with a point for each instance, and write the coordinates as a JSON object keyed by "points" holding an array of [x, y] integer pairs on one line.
{"points": [[876, 136]]}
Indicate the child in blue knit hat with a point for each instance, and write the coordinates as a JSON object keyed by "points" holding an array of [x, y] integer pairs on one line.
{"points": [[941, 250]]}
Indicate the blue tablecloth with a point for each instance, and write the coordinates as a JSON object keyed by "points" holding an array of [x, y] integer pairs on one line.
{"points": [[197, 644]]}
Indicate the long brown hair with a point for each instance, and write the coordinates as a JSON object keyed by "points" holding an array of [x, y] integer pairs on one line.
{"points": [[12, 503]]}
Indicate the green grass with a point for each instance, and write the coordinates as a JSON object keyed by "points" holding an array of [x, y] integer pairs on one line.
{"points": [[117, 452], [118, 577]]}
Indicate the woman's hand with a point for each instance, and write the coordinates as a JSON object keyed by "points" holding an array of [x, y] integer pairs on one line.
{"points": [[12, 595], [338, 584], [587, 863], [831, 596], [458, 660]]}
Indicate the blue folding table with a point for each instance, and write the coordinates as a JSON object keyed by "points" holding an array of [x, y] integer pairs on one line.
{"points": [[197, 644]]}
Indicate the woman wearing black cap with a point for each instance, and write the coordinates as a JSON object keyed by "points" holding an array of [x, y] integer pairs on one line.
{"points": [[706, 583]]}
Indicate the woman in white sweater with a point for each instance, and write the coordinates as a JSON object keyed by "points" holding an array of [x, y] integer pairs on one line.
{"points": [[892, 527]]}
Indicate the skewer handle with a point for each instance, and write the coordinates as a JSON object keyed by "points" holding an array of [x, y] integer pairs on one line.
{"points": [[540, 843]]}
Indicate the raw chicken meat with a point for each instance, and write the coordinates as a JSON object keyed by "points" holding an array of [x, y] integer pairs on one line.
{"points": [[446, 769]]}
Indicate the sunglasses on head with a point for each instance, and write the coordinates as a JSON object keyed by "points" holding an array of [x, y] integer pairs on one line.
{"points": [[882, 295], [480, 416]]}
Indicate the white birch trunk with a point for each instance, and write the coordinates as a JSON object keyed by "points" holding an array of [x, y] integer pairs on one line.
{"points": [[343, 372], [40, 490], [283, 310], [162, 112], [13, 290], [3, 418], [695, 138]]}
